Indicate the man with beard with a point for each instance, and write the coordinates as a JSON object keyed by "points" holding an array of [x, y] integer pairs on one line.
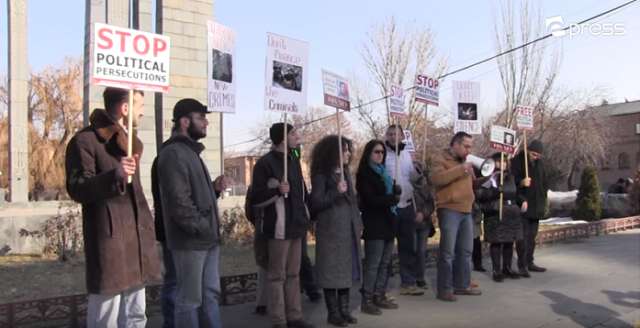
{"points": [[532, 193], [119, 244], [453, 179], [190, 214]]}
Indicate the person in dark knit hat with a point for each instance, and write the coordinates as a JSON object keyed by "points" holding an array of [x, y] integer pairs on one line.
{"points": [[283, 229], [532, 198]]}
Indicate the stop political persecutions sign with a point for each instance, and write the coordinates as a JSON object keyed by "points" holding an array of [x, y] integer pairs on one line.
{"points": [[427, 90], [130, 59]]}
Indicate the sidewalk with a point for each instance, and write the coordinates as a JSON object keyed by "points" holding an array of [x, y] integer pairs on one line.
{"points": [[591, 282]]}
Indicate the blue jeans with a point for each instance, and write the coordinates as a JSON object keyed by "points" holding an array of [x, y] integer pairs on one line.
{"points": [[198, 289], [407, 249], [456, 245], [421, 252], [168, 294], [377, 257]]}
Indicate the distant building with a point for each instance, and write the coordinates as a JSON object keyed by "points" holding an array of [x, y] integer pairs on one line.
{"points": [[622, 157], [240, 170]]}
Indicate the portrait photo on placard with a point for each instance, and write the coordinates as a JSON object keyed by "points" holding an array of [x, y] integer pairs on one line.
{"points": [[508, 139], [221, 66], [467, 112], [287, 76], [343, 90]]}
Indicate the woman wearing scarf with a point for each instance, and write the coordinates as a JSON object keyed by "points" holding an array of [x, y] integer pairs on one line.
{"points": [[378, 198], [335, 208]]}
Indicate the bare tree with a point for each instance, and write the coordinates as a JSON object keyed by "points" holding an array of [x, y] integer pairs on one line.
{"points": [[575, 133], [394, 56], [528, 75], [55, 107]]}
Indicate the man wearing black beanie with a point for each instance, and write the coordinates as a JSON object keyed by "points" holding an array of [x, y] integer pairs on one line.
{"points": [[532, 192], [284, 223]]}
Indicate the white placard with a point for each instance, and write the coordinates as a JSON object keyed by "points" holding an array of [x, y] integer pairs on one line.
{"points": [[396, 101], [466, 95], [286, 74], [503, 139], [408, 142], [427, 90], [221, 68], [130, 59], [336, 90], [524, 117]]}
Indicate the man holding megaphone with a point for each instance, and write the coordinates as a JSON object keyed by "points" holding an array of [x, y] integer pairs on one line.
{"points": [[453, 179]]}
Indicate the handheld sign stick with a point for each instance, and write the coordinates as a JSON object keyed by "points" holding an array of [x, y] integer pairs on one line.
{"points": [[397, 152], [526, 156], [341, 165], [286, 152], [424, 138], [501, 183], [130, 131]]}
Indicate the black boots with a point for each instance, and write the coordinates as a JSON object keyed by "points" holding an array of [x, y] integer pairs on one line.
{"points": [[333, 308], [509, 273], [345, 310], [535, 268], [367, 305], [381, 301], [497, 276]]}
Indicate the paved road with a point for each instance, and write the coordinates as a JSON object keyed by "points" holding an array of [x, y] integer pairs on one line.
{"points": [[592, 282]]}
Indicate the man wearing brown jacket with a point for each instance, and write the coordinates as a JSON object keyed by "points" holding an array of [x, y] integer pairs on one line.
{"points": [[453, 180], [119, 238]]}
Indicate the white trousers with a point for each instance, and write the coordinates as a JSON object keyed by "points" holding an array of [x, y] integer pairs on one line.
{"points": [[124, 310]]}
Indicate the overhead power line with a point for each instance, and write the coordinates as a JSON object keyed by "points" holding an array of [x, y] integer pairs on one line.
{"points": [[480, 62]]}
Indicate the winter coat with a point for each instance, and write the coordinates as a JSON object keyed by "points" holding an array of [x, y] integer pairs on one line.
{"points": [[424, 201], [338, 231], [189, 202], [407, 174], [508, 229], [454, 186], [375, 205], [536, 194], [118, 230], [291, 211]]}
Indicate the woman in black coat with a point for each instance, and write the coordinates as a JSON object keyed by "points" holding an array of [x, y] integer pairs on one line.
{"points": [[378, 197], [500, 233]]}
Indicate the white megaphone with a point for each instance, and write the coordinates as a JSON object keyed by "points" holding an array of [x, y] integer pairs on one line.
{"points": [[485, 166]]}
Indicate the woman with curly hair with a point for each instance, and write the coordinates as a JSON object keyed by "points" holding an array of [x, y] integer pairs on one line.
{"points": [[335, 208]]}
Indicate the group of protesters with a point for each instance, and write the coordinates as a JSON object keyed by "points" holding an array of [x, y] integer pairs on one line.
{"points": [[390, 200]]}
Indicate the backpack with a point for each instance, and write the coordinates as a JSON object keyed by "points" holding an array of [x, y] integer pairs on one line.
{"points": [[255, 212], [249, 211]]}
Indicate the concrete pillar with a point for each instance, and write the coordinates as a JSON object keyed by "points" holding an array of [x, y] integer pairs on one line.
{"points": [[185, 22], [18, 93], [95, 11], [142, 20]]}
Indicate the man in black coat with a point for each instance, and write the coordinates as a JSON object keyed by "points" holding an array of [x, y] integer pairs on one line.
{"points": [[533, 190], [190, 215], [284, 224]]}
